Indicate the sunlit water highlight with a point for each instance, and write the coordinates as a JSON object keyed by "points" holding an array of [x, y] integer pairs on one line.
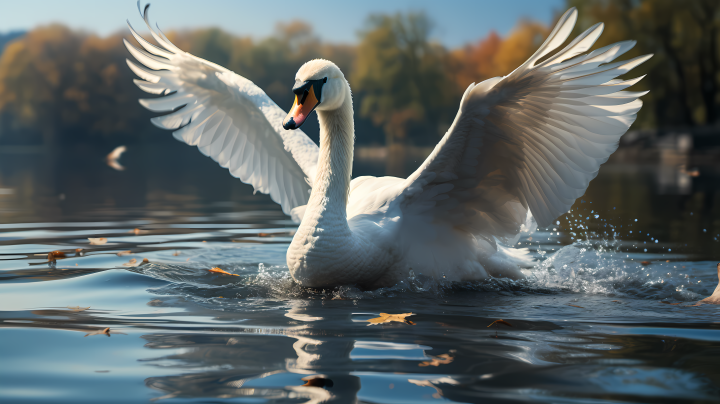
{"points": [[587, 325]]}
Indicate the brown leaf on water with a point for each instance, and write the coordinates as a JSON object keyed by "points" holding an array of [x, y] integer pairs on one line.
{"points": [[176, 253], [132, 263], [97, 241], [388, 318], [443, 359], [263, 234], [77, 309], [105, 331], [317, 381], [671, 304], [54, 255], [500, 322], [573, 305], [122, 253], [617, 301], [220, 271], [645, 262]]}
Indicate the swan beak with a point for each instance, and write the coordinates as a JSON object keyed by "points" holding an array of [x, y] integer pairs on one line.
{"points": [[306, 100]]}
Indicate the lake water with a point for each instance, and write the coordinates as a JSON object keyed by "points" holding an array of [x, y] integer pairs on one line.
{"points": [[590, 324]]}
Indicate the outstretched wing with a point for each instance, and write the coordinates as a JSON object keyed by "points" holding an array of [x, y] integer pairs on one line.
{"points": [[227, 117], [530, 140]]}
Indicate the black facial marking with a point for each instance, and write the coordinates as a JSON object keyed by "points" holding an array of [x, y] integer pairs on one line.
{"points": [[290, 124]]}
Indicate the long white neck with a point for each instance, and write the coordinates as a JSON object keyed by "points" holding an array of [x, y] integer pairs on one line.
{"points": [[327, 207]]}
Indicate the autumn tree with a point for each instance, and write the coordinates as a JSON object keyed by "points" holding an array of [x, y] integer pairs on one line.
{"points": [[683, 74], [56, 83], [494, 56], [401, 76]]}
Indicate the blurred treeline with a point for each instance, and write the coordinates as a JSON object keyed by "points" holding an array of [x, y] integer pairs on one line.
{"points": [[63, 86]]}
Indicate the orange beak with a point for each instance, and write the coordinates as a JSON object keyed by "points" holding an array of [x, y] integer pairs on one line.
{"points": [[306, 100]]}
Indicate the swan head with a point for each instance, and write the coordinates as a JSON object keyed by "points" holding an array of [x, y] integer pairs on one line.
{"points": [[319, 84]]}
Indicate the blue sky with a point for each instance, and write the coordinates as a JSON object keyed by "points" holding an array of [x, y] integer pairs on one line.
{"points": [[457, 22]]}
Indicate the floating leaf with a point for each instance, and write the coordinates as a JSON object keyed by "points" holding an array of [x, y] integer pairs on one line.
{"points": [[176, 253], [220, 271], [388, 318], [97, 241], [58, 254], [443, 359], [132, 263], [122, 253], [77, 309], [645, 262], [617, 301], [105, 331], [500, 322], [580, 307], [317, 381], [263, 234], [671, 304], [137, 231]]}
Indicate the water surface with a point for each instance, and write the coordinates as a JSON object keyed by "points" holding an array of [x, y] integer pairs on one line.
{"points": [[596, 321]]}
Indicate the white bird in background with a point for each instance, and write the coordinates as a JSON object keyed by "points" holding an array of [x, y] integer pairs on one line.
{"points": [[114, 156], [522, 146]]}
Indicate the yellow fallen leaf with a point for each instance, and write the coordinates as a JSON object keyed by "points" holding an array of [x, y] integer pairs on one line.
{"points": [[443, 359], [220, 271], [388, 318], [77, 309], [122, 253], [97, 241]]}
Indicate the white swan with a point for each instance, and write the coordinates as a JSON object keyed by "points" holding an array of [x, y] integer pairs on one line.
{"points": [[524, 144]]}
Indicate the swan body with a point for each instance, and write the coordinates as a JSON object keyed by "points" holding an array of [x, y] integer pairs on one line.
{"points": [[522, 148]]}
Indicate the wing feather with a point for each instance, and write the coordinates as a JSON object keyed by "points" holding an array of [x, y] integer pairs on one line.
{"points": [[226, 116], [533, 139]]}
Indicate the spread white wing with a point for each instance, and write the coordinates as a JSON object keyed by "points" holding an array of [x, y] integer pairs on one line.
{"points": [[227, 117], [530, 140]]}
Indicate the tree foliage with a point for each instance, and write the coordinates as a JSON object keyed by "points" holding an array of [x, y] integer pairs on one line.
{"points": [[56, 83], [400, 75], [683, 74]]}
